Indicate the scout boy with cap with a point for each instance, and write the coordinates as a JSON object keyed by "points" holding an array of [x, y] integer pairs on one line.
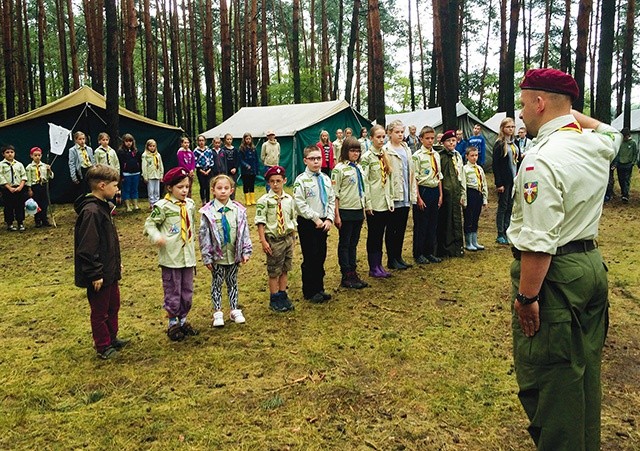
{"points": [[38, 176], [12, 180], [276, 221], [270, 152], [170, 227], [560, 311]]}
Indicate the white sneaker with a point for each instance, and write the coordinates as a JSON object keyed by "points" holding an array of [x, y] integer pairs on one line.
{"points": [[237, 316], [218, 320]]}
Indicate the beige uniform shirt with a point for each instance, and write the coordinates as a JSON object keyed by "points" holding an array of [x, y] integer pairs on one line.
{"points": [[270, 153], [151, 170], [559, 188], [107, 156], [426, 167], [12, 173], [337, 147], [378, 195], [267, 214], [32, 169], [474, 177], [306, 193], [345, 183]]}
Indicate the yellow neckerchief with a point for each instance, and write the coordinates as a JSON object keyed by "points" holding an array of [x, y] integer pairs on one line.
{"points": [[434, 162], [383, 166], [185, 224], [85, 155], [478, 175], [156, 161]]}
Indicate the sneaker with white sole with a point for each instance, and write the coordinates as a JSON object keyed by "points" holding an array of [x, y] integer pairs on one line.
{"points": [[218, 320], [236, 316]]}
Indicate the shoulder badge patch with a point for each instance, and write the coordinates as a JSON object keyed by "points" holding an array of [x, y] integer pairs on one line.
{"points": [[530, 192]]}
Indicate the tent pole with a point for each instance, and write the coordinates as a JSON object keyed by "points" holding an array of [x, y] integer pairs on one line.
{"points": [[86, 105], [51, 208]]}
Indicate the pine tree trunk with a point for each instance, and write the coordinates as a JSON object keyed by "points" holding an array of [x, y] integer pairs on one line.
{"points": [[412, 88], [605, 61], [353, 38], [437, 65], [73, 47], [627, 62], [29, 65], [449, 61], [312, 45], [62, 41], [21, 66], [130, 29], [584, 13], [483, 75], [295, 47], [239, 79], [167, 92], [565, 44], [619, 84], [593, 47], [377, 106], [264, 56], [185, 80], [336, 75], [42, 74], [195, 67], [175, 62], [113, 36], [275, 40], [150, 74], [7, 47], [544, 59], [209, 70], [325, 84], [225, 61], [423, 74], [253, 59]]}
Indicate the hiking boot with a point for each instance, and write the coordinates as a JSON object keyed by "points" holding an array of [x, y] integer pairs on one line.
{"points": [[175, 333], [362, 283], [119, 343], [236, 316], [316, 298], [421, 260], [108, 353], [188, 330], [433, 259], [276, 303]]}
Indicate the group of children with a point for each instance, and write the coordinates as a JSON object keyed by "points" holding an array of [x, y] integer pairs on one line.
{"points": [[381, 187]]}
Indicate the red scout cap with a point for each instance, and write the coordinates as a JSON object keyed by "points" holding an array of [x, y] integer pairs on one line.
{"points": [[551, 80], [173, 176], [447, 135], [34, 150], [275, 170]]}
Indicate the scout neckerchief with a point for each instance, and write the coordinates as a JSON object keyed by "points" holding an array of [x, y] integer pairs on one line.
{"points": [[514, 152], [434, 163], [383, 167], [85, 156], [479, 176], [323, 191], [360, 181], [37, 173], [279, 216], [226, 228], [185, 224], [13, 174], [454, 157], [156, 162]]}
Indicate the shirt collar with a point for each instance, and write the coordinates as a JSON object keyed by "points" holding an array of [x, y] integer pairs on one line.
{"points": [[217, 205], [554, 124]]}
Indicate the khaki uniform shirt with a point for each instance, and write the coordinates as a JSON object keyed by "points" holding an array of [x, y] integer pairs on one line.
{"points": [[378, 196], [6, 177], [151, 171], [164, 220], [306, 193], [426, 173], [345, 183], [559, 188], [45, 175], [337, 147], [267, 214], [470, 175], [270, 153], [108, 157]]}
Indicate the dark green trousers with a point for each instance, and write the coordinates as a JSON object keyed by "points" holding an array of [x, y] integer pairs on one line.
{"points": [[558, 369]]}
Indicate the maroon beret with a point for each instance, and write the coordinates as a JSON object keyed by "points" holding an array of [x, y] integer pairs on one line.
{"points": [[447, 135], [551, 80], [174, 176], [275, 170], [35, 149]]}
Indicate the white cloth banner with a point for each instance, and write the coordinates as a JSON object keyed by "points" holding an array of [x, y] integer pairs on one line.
{"points": [[58, 137]]}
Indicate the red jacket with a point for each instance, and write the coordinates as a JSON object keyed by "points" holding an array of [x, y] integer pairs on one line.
{"points": [[331, 163]]}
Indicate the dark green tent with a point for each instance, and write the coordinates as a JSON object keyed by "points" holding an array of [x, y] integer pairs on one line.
{"points": [[82, 110], [295, 126]]}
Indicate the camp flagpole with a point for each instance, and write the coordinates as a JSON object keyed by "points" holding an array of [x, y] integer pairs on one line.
{"points": [[50, 211]]}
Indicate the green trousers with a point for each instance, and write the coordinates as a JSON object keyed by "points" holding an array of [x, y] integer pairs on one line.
{"points": [[558, 369]]}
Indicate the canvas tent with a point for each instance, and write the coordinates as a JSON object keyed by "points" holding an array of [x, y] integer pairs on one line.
{"points": [[433, 117], [618, 123], [494, 121], [82, 110], [295, 126]]}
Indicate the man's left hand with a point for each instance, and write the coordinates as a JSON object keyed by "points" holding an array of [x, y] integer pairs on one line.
{"points": [[529, 317]]}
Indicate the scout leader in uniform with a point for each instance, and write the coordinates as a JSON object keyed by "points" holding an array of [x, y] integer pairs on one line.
{"points": [[559, 280]]}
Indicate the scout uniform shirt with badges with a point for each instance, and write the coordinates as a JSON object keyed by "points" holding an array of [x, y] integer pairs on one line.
{"points": [[378, 188], [314, 196], [475, 179], [38, 174], [426, 167], [348, 183], [152, 167], [554, 198], [173, 220], [277, 213], [107, 156], [12, 173]]}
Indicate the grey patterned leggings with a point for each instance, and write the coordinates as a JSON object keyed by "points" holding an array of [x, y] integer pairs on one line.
{"points": [[228, 273]]}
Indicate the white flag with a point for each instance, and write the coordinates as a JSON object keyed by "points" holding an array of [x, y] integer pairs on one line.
{"points": [[58, 137]]}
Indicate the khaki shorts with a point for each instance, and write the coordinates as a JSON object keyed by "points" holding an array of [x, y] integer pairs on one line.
{"points": [[281, 255]]}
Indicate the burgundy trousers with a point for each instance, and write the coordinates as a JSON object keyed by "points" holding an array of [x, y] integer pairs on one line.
{"points": [[105, 305]]}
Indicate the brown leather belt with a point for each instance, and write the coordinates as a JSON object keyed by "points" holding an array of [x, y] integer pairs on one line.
{"points": [[572, 247]]}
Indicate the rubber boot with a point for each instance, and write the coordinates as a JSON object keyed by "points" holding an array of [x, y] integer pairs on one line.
{"points": [[127, 204], [253, 198], [375, 266], [469, 242], [478, 246], [380, 268], [135, 204]]}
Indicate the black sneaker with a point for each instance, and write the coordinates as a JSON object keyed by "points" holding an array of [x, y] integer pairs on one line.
{"points": [[625, 199], [188, 330], [317, 298], [108, 353], [175, 333], [433, 259], [422, 260], [118, 343]]}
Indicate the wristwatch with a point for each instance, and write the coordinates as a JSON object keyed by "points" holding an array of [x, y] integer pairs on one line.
{"points": [[522, 299]]}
